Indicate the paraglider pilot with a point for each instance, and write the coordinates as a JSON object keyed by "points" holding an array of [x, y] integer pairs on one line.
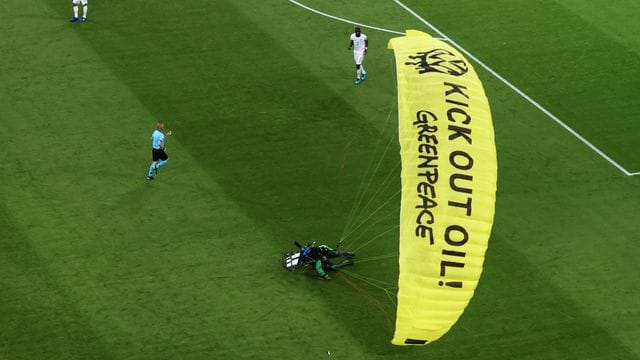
{"points": [[320, 255]]}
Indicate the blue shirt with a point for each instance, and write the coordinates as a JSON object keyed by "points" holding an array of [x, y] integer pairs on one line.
{"points": [[158, 139]]}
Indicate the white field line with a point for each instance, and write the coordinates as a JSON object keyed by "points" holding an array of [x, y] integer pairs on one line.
{"points": [[345, 20], [350, 21], [486, 67], [519, 92]]}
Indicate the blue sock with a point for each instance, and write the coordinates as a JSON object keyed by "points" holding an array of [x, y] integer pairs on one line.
{"points": [[151, 169], [163, 163]]}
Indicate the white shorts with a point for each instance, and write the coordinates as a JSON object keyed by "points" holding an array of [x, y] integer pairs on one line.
{"points": [[76, 2], [358, 56]]}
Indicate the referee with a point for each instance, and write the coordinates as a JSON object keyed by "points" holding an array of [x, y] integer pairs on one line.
{"points": [[159, 156]]}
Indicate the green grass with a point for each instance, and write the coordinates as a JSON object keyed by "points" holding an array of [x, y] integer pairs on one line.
{"points": [[273, 144]]}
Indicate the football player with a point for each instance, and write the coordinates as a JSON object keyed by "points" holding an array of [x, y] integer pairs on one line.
{"points": [[75, 10], [360, 43]]}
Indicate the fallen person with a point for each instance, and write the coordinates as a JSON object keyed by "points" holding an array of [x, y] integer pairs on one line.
{"points": [[319, 256]]}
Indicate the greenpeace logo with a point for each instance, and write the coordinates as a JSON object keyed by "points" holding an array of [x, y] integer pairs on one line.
{"points": [[440, 61]]}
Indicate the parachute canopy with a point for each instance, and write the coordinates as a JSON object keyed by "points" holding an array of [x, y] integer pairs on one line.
{"points": [[449, 174]]}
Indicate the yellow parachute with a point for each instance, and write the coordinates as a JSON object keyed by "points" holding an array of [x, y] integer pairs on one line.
{"points": [[449, 174]]}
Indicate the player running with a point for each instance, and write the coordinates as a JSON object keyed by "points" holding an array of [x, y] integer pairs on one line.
{"points": [[157, 152], [360, 43], [75, 10]]}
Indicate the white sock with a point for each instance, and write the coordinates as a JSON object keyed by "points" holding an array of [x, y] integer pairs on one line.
{"points": [[75, 11], [358, 72], [362, 68], [84, 11]]}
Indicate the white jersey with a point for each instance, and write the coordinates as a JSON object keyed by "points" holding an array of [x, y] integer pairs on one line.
{"points": [[358, 42]]}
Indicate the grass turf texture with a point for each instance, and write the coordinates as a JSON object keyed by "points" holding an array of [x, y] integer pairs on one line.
{"points": [[272, 144]]}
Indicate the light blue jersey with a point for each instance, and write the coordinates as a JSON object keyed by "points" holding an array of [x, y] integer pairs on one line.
{"points": [[158, 139]]}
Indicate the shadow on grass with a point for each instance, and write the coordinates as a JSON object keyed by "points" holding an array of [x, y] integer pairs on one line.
{"points": [[39, 318]]}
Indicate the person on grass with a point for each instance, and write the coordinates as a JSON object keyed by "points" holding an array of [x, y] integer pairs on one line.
{"points": [[85, 7], [158, 154], [360, 43], [320, 255]]}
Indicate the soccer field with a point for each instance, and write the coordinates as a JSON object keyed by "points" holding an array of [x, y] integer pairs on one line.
{"points": [[273, 143]]}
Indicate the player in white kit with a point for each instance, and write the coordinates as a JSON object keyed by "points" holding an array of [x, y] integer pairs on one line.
{"points": [[75, 10], [360, 43]]}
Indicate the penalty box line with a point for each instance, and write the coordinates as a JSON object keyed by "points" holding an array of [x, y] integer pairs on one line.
{"points": [[345, 20], [350, 21], [519, 92], [486, 67]]}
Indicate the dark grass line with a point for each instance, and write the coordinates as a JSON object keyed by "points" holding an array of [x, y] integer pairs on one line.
{"points": [[35, 307]]}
